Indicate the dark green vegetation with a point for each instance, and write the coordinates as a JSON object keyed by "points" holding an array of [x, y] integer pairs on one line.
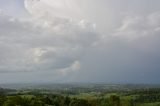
{"points": [[81, 95]]}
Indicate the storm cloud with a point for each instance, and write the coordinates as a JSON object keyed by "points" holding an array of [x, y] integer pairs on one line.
{"points": [[81, 41]]}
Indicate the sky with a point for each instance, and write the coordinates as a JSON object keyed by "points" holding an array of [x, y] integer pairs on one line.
{"points": [[88, 41]]}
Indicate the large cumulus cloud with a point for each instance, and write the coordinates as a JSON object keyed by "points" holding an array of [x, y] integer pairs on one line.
{"points": [[53, 44], [57, 43]]}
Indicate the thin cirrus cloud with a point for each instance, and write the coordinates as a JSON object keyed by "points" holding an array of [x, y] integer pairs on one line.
{"points": [[67, 41]]}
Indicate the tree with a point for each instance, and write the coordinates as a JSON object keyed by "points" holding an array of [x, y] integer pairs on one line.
{"points": [[79, 102], [114, 100]]}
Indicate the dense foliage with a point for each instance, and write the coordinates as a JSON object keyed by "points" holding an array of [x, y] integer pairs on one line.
{"points": [[43, 97]]}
